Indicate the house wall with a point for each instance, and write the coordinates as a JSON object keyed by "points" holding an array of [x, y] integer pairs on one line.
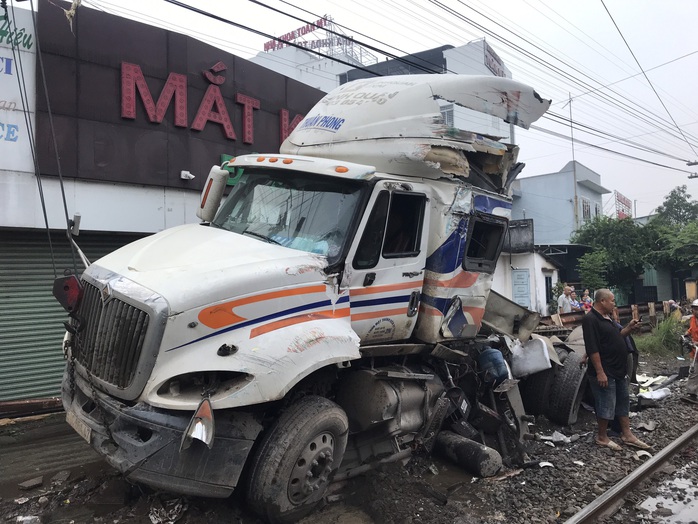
{"points": [[306, 67], [538, 268], [664, 291], [548, 200]]}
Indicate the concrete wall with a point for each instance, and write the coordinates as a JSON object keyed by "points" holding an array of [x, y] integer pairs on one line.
{"points": [[549, 200], [538, 268], [306, 67]]}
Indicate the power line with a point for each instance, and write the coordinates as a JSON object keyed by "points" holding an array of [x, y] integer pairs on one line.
{"points": [[565, 137], [265, 35], [647, 78], [406, 61]]}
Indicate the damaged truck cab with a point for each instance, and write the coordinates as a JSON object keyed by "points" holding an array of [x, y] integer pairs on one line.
{"points": [[326, 317]]}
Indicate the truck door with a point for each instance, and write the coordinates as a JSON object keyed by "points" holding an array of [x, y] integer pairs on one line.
{"points": [[385, 266]]}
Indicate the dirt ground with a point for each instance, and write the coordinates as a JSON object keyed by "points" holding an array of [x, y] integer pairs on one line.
{"points": [[77, 486]]}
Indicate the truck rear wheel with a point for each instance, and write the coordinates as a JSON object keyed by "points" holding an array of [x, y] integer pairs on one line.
{"points": [[535, 391], [567, 391], [296, 460]]}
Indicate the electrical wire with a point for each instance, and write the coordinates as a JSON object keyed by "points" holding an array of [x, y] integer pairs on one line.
{"points": [[53, 137], [408, 62], [615, 137], [647, 78], [24, 100]]}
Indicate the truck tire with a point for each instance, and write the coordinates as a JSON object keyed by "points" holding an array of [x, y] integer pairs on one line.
{"points": [[296, 460], [535, 391], [567, 391]]}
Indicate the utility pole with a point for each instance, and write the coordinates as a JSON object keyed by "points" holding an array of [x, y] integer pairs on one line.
{"points": [[574, 169]]}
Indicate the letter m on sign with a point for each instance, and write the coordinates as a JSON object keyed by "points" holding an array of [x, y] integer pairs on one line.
{"points": [[132, 81]]}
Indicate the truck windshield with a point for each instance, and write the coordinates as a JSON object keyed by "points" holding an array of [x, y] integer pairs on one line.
{"points": [[292, 209]]}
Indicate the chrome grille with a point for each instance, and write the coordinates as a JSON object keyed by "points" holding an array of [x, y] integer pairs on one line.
{"points": [[111, 337]]}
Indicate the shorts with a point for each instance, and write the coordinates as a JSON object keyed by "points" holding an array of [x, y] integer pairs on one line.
{"points": [[613, 400]]}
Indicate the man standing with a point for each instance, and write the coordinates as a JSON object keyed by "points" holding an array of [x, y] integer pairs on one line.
{"points": [[693, 325], [563, 302], [608, 355], [692, 384]]}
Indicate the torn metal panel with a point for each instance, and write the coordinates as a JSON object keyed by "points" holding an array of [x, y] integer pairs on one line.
{"points": [[395, 124], [508, 317]]}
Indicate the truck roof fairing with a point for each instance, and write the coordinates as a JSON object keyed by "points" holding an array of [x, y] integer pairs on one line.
{"points": [[395, 124]]}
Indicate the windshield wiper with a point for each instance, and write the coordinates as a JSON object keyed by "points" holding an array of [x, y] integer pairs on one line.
{"points": [[262, 237]]}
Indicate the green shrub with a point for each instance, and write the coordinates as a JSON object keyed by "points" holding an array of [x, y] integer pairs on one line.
{"points": [[665, 339]]}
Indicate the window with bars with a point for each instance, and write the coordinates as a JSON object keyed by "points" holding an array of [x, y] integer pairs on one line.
{"points": [[447, 114], [586, 209]]}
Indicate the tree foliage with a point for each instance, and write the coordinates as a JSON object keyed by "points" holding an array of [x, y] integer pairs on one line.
{"points": [[593, 267], [621, 248], [673, 233], [624, 244], [678, 209]]}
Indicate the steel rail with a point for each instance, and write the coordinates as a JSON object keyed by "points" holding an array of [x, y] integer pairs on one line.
{"points": [[593, 511]]}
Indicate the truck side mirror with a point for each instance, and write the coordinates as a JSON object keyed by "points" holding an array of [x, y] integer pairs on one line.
{"points": [[212, 194]]}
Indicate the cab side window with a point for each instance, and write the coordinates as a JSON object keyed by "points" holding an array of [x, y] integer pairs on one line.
{"points": [[485, 239], [368, 252], [404, 231]]}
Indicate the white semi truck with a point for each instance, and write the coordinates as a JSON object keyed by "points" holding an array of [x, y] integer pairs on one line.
{"points": [[326, 317]]}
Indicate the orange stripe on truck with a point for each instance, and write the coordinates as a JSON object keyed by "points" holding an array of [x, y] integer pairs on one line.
{"points": [[222, 315], [379, 314], [461, 280], [318, 315], [355, 292]]}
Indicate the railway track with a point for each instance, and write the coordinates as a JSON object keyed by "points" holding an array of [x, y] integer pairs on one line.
{"points": [[609, 502]]}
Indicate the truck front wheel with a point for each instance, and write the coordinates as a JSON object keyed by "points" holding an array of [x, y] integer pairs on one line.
{"points": [[296, 459]]}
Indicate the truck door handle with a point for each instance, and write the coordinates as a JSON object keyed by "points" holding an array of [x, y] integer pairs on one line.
{"points": [[413, 304], [369, 278]]}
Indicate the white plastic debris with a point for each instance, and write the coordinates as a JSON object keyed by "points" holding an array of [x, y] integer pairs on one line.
{"points": [[559, 438], [546, 465], [578, 462], [657, 394], [642, 453]]}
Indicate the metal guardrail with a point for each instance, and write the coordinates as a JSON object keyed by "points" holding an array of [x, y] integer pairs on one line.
{"points": [[651, 312]]}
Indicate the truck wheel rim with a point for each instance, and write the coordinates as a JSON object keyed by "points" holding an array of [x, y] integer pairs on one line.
{"points": [[312, 468]]}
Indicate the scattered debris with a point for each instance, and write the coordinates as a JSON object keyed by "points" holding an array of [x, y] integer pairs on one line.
{"points": [[167, 512], [29, 519], [578, 462], [546, 465], [650, 425], [60, 477], [506, 474], [31, 483], [22, 500], [440, 497], [657, 394], [639, 455]]}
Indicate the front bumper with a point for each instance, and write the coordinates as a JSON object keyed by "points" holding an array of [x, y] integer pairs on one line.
{"points": [[146, 441]]}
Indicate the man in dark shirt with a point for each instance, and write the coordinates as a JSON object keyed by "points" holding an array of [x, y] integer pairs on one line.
{"points": [[608, 355]]}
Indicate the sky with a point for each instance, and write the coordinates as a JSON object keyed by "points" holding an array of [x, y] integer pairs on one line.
{"points": [[592, 51]]}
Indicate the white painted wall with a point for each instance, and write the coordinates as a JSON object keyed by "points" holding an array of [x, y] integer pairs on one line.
{"points": [[538, 268], [103, 206], [306, 67]]}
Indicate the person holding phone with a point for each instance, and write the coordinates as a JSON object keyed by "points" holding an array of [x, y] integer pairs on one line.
{"points": [[608, 354]]}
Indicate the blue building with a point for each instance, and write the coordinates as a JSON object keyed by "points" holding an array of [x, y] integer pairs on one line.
{"points": [[550, 199]]}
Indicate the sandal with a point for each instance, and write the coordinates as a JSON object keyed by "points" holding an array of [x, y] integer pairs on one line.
{"points": [[637, 443], [610, 445]]}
